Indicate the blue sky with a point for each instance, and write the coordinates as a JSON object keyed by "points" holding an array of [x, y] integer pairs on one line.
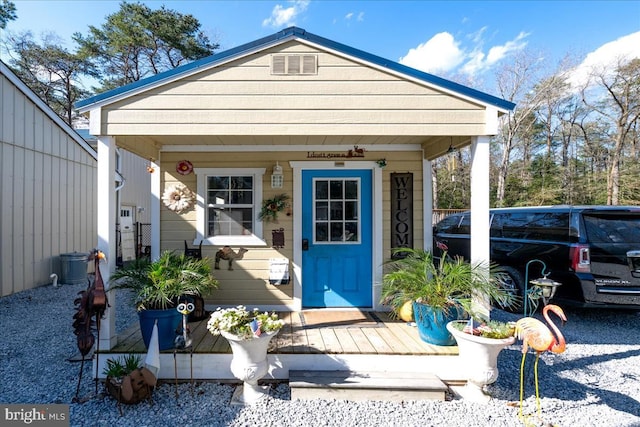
{"points": [[468, 38]]}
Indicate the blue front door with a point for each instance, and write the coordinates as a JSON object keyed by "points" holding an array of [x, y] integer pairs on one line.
{"points": [[337, 238]]}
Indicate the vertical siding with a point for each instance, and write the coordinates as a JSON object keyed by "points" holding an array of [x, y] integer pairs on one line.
{"points": [[47, 193], [137, 187]]}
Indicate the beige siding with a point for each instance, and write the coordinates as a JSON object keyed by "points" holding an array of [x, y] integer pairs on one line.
{"points": [[248, 283], [47, 191], [344, 98]]}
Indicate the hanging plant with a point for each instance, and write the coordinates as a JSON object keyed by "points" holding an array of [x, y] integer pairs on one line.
{"points": [[271, 207], [178, 198]]}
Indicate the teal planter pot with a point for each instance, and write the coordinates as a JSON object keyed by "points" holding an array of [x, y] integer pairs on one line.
{"points": [[432, 324], [168, 321]]}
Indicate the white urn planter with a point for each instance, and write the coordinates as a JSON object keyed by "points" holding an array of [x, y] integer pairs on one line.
{"points": [[249, 364], [479, 359]]}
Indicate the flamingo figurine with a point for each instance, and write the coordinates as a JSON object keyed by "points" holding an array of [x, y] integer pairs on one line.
{"points": [[539, 337]]}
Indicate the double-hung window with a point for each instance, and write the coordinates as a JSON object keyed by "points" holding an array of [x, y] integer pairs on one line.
{"points": [[229, 201]]}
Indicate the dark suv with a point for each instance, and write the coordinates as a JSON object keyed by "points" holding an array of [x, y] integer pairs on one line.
{"points": [[594, 251]]}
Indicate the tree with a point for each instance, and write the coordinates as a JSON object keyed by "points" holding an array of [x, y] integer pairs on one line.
{"points": [[50, 70], [7, 13], [515, 81], [620, 106], [137, 42]]}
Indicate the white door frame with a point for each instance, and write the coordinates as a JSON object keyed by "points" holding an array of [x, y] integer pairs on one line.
{"points": [[376, 218]]}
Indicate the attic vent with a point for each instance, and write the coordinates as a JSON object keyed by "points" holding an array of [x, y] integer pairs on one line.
{"points": [[294, 64]]}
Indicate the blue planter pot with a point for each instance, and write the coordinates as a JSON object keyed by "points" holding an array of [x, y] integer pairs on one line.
{"points": [[432, 324], [168, 321]]}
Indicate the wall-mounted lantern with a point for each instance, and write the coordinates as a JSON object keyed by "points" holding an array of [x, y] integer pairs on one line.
{"points": [[277, 179]]}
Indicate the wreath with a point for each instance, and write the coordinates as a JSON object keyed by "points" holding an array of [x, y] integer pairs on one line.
{"points": [[178, 198], [271, 207]]}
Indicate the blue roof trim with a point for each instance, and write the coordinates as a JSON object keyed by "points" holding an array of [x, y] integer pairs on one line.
{"points": [[295, 32]]}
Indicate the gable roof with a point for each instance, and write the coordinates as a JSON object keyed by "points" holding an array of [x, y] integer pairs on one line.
{"points": [[283, 36], [17, 82]]}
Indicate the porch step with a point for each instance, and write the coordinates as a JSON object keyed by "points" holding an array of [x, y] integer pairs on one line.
{"points": [[349, 385]]}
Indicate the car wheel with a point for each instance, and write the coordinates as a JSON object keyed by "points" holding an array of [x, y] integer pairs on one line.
{"points": [[511, 280]]}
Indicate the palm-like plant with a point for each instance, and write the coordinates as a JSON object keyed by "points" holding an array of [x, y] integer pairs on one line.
{"points": [[158, 284], [442, 284]]}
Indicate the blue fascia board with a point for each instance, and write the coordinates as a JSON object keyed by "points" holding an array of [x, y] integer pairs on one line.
{"points": [[291, 33]]}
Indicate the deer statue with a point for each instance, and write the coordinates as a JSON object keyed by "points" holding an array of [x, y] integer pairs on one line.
{"points": [[228, 254]]}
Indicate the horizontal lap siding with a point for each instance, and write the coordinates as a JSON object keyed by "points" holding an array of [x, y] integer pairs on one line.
{"points": [[243, 97], [48, 194], [248, 282]]}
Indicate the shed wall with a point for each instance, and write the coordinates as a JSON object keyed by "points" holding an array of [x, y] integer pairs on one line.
{"points": [[47, 193]]}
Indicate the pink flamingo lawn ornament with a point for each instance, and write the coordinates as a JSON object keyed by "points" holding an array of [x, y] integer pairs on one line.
{"points": [[539, 337]]}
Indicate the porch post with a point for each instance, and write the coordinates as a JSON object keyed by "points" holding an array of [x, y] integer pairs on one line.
{"points": [[427, 208], [480, 207], [106, 226], [155, 210]]}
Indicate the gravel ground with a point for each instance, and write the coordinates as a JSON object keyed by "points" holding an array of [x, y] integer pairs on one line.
{"points": [[595, 382]]}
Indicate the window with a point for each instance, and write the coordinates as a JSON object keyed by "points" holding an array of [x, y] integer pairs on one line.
{"points": [[229, 201], [336, 210]]}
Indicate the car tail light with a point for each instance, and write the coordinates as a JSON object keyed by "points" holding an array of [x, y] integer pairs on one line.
{"points": [[580, 258]]}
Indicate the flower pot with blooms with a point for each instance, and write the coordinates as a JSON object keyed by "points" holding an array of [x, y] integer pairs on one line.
{"points": [[479, 344], [249, 334]]}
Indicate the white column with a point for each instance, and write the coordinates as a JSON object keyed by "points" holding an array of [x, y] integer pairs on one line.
{"points": [[480, 204], [106, 218], [155, 210], [427, 205]]}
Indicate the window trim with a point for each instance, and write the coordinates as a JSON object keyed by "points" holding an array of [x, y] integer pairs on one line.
{"points": [[255, 239]]}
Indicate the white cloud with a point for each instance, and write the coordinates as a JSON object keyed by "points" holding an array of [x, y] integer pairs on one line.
{"points": [[606, 57], [350, 15], [443, 54], [285, 16]]}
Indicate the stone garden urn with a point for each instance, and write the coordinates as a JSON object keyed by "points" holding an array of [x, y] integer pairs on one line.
{"points": [[479, 359], [249, 364]]}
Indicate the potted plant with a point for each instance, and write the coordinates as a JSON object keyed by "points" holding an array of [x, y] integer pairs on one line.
{"points": [[127, 380], [156, 287], [479, 343], [442, 290], [249, 334]]}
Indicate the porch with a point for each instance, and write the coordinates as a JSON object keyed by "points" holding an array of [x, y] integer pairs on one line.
{"points": [[369, 342]]}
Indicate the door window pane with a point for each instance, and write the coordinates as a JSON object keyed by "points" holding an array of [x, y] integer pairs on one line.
{"points": [[336, 220]]}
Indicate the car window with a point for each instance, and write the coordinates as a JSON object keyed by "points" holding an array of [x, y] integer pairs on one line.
{"points": [[548, 226], [612, 229], [448, 225]]}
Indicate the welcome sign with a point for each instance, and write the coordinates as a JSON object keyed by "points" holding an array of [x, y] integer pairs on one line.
{"points": [[401, 211]]}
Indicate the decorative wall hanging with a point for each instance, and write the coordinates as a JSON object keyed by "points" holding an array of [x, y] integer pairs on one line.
{"points": [[278, 238], [401, 212], [271, 207], [184, 167], [178, 198]]}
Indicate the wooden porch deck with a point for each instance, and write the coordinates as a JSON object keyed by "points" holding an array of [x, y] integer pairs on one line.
{"points": [[388, 336], [387, 346]]}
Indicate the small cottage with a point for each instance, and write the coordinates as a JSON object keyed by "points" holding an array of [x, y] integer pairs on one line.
{"points": [[295, 163]]}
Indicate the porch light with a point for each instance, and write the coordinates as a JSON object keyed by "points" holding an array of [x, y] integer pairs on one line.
{"points": [[277, 179]]}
